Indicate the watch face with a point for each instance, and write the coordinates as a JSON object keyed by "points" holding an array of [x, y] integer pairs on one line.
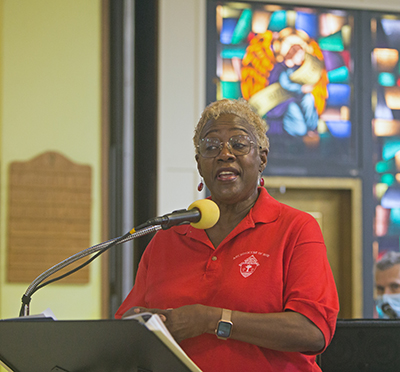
{"points": [[224, 329]]}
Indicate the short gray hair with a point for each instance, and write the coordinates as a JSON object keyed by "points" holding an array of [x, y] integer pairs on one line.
{"points": [[388, 260], [240, 108]]}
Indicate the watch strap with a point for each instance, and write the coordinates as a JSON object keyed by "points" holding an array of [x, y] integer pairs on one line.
{"points": [[226, 315]]}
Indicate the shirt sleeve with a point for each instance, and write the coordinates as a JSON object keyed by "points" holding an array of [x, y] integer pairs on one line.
{"points": [[310, 287]]}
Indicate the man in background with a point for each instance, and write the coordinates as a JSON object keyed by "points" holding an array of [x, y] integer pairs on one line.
{"points": [[387, 284]]}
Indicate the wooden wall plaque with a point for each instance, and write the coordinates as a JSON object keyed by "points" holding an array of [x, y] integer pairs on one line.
{"points": [[48, 217]]}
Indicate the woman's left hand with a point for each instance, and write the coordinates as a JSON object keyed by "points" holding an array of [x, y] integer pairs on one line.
{"points": [[184, 322]]}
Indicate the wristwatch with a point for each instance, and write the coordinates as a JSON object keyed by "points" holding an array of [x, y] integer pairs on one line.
{"points": [[224, 326]]}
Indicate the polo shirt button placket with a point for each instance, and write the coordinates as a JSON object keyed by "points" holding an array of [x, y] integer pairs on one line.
{"points": [[212, 265]]}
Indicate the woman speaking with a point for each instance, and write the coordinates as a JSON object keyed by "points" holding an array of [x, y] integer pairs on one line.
{"points": [[255, 292]]}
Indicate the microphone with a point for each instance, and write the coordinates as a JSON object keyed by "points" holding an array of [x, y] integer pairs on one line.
{"points": [[202, 214], [388, 310]]}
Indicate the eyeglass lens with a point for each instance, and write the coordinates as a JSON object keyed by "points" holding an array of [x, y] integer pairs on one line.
{"points": [[237, 145]]}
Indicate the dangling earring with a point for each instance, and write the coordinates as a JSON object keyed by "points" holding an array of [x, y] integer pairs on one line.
{"points": [[261, 182], [200, 186]]}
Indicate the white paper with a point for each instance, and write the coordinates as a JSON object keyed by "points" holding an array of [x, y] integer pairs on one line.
{"points": [[157, 326]]}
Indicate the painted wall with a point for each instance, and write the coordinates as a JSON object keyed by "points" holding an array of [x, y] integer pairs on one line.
{"points": [[181, 100], [50, 100]]}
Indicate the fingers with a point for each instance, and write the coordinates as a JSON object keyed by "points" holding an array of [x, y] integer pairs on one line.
{"points": [[131, 311], [138, 310], [183, 322]]}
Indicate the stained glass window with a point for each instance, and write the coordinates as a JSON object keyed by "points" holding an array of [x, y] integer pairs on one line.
{"points": [[385, 31], [295, 67]]}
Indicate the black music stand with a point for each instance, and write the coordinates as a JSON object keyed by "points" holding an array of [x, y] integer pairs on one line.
{"points": [[84, 346]]}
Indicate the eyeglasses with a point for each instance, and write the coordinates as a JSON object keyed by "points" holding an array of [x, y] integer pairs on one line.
{"points": [[237, 145]]}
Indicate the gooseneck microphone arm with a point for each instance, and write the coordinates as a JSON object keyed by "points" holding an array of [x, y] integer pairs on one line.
{"points": [[35, 285]]}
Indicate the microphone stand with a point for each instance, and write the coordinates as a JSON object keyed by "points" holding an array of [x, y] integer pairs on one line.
{"points": [[26, 298], [388, 310]]}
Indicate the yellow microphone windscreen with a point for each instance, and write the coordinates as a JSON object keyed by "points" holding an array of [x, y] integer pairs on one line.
{"points": [[209, 213]]}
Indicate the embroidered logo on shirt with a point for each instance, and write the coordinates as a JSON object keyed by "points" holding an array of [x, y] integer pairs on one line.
{"points": [[248, 266]]}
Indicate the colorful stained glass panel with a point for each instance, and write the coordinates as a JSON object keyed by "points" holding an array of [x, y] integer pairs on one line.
{"points": [[386, 131], [294, 66]]}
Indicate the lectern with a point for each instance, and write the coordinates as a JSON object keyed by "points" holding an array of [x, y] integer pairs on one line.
{"points": [[84, 346], [365, 345]]}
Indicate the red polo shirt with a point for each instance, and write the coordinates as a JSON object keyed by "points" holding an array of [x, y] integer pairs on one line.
{"points": [[274, 260]]}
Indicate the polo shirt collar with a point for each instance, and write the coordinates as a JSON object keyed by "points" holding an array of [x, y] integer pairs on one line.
{"points": [[266, 209]]}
